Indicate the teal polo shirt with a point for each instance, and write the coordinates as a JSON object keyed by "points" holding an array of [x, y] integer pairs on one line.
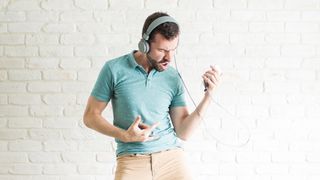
{"points": [[134, 92]]}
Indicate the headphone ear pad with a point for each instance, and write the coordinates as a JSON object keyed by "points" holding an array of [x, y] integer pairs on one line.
{"points": [[143, 46]]}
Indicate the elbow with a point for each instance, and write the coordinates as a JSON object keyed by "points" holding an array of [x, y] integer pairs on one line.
{"points": [[86, 120], [183, 137]]}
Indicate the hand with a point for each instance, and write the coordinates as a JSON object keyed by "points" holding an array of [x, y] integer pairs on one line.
{"points": [[139, 132], [211, 78]]}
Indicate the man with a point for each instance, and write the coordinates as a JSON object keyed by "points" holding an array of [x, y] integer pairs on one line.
{"points": [[150, 113]]}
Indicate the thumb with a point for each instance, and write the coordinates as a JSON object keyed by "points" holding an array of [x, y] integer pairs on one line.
{"points": [[154, 125], [136, 121]]}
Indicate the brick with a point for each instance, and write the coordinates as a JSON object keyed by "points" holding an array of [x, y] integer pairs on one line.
{"points": [[283, 62], [20, 51], [88, 75], [43, 16], [245, 15], [13, 111], [302, 27], [44, 87], [56, 51], [76, 87], [26, 169], [24, 122], [115, 16], [13, 157], [25, 145], [303, 51], [44, 157], [263, 51], [57, 5], [301, 75], [42, 63], [77, 39], [232, 27], [247, 38], [60, 123], [303, 169], [60, 145], [272, 169], [288, 157], [7, 134], [3, 123], [59, 28], [301, 4], [21, 75], [313, 157], [59, 75], [60, 169], [283, 16], [127, 4], [94, 146], [57, 99], [72, 110], [240, 169], [12, 63], [24, 99], [266, 27], [24, 5], [9, 39], [29, 27], [169, 4], [42, 39], [4, 99], [3, 28], [39, 111], [91, 51], [264, 4], [92, 5], [230, 4], [310, 38], [204, 15], [106, 157], [75, 63], [78, 157], [12, 16], [94, 28], [77, 16], [100, 169], [218, 157], [282, 38], [113, 38], [311, 16], [253, 157], [44, 134], [3, 75]]}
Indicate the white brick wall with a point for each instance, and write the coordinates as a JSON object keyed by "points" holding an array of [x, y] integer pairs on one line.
{"points": [[51, 52]]}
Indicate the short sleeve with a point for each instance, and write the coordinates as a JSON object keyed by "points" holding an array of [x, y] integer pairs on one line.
{"points": [[178, 98], [103, 88]]}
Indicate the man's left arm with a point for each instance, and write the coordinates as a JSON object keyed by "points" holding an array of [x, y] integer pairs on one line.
{"points": [[185, 123]]}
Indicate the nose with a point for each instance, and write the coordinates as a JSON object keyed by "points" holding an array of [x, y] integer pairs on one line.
{"points": [[169, 55]]}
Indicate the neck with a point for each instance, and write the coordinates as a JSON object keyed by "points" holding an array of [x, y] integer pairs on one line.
{"points": [[143, 61]]}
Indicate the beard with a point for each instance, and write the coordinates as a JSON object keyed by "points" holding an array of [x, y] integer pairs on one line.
{"points": [[159, 66]]}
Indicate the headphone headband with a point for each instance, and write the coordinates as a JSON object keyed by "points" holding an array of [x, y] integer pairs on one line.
{"points": [[156, 23], [143, 44]]}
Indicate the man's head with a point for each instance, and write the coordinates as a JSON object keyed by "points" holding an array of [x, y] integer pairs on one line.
{"points": [[159, 39]]}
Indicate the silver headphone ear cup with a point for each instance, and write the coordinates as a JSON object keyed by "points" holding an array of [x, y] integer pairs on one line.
{"points": [[143, 46]]}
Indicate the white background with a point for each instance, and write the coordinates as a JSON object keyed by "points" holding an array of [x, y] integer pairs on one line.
{"points": [[269, 50]]}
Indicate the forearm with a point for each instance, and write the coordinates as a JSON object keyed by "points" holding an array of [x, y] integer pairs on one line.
{"points": [[192, 121], [98, 123]]}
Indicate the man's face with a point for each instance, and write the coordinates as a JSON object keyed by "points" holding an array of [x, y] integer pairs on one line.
{"points": [[162, 52]]}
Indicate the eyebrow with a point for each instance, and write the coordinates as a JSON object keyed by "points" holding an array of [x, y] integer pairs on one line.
{"points": [[168, 49]]}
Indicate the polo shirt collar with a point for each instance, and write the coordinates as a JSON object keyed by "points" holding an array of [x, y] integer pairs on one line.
{"points": [[132, 60]]}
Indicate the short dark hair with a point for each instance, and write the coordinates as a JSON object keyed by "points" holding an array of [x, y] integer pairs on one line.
{"points": [[169, 30]]}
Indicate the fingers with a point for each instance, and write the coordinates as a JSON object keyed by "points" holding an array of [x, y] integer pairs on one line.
{"points": [[136, 121]]}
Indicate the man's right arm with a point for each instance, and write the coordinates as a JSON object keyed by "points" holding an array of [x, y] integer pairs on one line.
{"points": [[137, 132], [93, 119]]}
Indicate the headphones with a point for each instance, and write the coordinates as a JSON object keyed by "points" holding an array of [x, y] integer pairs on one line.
{"points": [[143, 43]]}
